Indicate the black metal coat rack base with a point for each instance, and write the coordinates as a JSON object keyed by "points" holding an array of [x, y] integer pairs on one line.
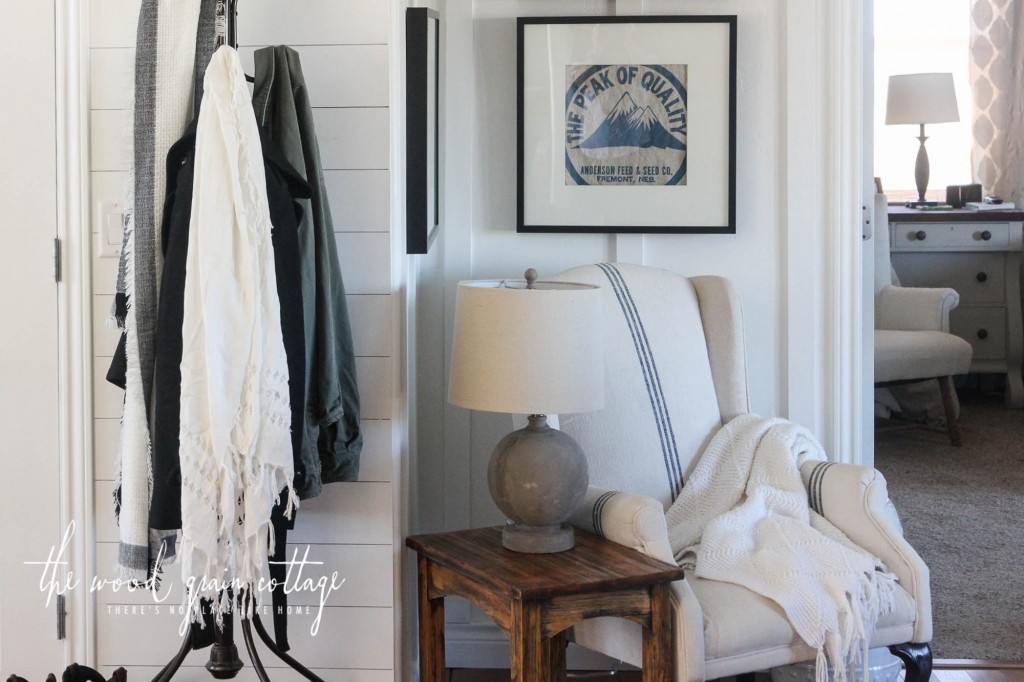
{"points": [[224, 663]]}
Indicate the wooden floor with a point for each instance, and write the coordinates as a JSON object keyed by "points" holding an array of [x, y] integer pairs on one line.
{"points": [[979, 675], [963, 674]]}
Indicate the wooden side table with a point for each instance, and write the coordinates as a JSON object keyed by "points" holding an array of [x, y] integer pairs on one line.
{"points": [[535, 598]]}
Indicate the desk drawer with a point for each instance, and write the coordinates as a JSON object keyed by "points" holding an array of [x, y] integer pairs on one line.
{"points": [[983, 328], [950, 236], [977, 277]]}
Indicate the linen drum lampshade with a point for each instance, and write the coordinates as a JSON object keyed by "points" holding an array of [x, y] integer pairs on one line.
{"points": [[921, 98], [527, 351]]}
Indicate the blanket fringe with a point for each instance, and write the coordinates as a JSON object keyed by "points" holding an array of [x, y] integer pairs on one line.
{"points": [[821, 666]]}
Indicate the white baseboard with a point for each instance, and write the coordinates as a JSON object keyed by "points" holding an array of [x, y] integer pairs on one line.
{"points": [[484, 645]]}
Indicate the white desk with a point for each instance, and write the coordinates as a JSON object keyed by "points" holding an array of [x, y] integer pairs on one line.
{"points": [[978, 255]]}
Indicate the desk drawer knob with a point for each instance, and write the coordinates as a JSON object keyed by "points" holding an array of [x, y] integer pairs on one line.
{"points": [[986, 235], [983, 334], [920, 235], [982, 276]]}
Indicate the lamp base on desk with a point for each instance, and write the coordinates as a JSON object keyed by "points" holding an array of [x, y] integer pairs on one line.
{"points": [[921, 172], [538, 477]]}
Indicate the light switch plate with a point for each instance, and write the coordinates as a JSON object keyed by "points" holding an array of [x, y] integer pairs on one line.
{"points": [[109, 221]]}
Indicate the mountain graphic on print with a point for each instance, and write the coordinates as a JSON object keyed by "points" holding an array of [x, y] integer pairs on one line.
{"points": [[627, 125]]}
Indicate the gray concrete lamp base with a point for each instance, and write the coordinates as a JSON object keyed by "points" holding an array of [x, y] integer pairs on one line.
{"points": [[537, 539], [538, 477]]}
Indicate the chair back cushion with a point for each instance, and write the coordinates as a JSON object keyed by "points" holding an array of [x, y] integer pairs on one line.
{"points": [[883, 263], [661, 405]]}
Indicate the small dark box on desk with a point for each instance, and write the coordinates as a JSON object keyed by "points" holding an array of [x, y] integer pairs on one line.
{"points": [[957, 196]]}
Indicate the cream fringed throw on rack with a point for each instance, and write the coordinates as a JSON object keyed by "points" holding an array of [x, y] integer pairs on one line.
{"points": [[743, 517], [236, 453]]}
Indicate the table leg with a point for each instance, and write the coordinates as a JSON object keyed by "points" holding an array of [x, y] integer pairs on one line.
{"points": [[657, 647], [554, 653], [431, 612], [529, 651]]}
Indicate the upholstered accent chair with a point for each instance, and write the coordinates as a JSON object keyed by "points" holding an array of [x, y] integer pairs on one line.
{"points": [[912, 339], [676, 372]]}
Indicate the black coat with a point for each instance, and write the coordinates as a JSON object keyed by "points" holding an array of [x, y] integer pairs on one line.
{"points": [[284, 187]]}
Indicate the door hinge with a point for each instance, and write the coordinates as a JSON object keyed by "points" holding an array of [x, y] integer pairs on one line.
{"points": [[56, 260], [62, 618]]}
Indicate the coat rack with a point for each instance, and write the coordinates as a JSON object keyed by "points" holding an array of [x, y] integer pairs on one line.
{"points": [[224, 663], [227, 16]]}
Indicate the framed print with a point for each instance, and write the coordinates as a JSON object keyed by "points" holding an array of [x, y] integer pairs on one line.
{"points": [[422, 73], [627, 124]]}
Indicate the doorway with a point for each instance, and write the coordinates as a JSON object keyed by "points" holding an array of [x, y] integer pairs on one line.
{"points": [[960, 506]]}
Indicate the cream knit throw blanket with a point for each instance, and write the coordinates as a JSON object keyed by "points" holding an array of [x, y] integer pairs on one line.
{"points": [[236, 453], [743, 517]]}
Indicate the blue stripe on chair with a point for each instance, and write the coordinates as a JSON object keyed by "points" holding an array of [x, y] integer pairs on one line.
{"points": [[657, 380], [599, 510], [652, 380], [814, 486]]}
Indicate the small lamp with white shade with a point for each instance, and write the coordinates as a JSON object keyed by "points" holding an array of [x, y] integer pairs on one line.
{"points": [[529, 347], [919, 98]]}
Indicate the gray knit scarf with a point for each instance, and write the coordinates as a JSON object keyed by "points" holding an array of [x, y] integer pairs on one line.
{"points": [[174, 43]]}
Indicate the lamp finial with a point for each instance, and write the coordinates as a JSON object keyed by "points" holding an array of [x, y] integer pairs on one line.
{"points": [[531, 277]]}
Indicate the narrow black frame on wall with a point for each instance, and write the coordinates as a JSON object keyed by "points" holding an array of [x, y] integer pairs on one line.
{"points": [[563, 57], [422, 97]]}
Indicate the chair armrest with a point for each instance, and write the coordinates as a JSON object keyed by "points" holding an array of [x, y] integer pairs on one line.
{"points": [[638, 521], [635, 521], [915, 308], [856, 501]]}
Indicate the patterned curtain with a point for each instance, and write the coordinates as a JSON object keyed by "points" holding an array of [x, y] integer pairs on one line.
{"points": [[997, 85]]}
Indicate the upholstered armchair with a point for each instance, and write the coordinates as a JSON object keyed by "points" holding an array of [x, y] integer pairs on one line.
{"points": [[676, 372], [912, 339]]}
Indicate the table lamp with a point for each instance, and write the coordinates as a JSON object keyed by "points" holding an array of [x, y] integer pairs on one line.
{"points": [[920, 98], [535, 348]]}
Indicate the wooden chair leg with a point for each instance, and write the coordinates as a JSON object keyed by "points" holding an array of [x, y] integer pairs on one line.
{"points": [[952, 423]]}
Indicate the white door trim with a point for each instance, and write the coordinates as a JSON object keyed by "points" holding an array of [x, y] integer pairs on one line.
{"points": [[824, 121], [847, 31], [75, 322]]}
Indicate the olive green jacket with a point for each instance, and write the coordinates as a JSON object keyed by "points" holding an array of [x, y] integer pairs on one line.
{"points": [[332, 440]]}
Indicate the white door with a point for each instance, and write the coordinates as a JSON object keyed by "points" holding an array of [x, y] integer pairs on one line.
{"points": [[29, 456]]}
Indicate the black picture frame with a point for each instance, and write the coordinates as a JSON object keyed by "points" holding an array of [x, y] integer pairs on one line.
{"points": [[560, 132], [423, 87]]}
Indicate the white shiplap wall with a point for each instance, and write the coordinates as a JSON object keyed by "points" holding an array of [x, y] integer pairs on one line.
{"points": [[351, 526]]}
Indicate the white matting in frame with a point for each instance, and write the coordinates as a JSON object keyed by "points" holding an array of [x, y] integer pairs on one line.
{"points": [[627, 124]]}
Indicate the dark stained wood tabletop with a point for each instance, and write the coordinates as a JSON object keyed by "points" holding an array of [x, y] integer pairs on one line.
{"points": [[592, 565]]}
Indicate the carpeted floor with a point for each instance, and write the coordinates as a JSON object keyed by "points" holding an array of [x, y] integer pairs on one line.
{"points": [[963, 510]]}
